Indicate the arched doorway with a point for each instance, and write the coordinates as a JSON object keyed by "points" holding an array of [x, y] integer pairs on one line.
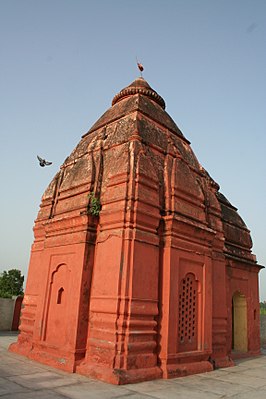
{"points": [[239, 323]]}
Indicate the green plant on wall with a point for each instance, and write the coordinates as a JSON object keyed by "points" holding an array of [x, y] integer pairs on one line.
{"points": [[94, 205]]}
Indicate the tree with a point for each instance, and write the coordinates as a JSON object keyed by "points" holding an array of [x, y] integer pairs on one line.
{"points": [[11, 283], [263, 307]]}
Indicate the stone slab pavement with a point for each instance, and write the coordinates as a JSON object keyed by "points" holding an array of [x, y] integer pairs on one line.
{"points": [[21, 378]]}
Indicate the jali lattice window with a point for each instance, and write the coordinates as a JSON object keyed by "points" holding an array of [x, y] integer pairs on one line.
{"points": [[188, 313]]}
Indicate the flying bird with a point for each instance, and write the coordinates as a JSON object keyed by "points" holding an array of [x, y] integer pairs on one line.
{"points": [[43, 162]]}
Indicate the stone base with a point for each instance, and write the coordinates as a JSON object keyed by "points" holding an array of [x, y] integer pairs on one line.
{"points": [[184, 369], [21, 348], [242, 355], [54, 358], [119, 376], [223, 362]]}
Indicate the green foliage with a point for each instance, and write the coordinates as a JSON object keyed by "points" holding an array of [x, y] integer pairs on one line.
{"points": [[11, 283], [263, 307], [94, 206]]}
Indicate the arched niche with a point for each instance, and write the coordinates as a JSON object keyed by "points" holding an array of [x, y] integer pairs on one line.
{"points": [[57, 309]]}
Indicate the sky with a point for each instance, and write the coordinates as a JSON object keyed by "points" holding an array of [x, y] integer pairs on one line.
{"points": [[62, 62]]}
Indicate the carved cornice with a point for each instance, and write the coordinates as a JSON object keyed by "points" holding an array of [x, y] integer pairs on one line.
{"points": [[139, 86]]}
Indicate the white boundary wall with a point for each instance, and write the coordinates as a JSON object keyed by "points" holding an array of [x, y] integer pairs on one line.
{"points": [[6, 313]]}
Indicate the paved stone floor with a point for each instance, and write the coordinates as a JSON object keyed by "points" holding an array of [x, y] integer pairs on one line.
{"points": [[21, 378]]}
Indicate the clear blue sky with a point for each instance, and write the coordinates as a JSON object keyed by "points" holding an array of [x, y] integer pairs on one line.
{"points": [[62, 61]]}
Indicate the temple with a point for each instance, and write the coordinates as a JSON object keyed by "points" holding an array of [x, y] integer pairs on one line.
{"points": [[140, 267]]}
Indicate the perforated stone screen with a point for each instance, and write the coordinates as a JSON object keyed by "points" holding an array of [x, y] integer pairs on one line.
{"points": [[188, 313]]}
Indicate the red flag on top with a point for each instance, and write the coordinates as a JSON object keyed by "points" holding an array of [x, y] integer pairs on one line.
{"points": [[140, 66]]}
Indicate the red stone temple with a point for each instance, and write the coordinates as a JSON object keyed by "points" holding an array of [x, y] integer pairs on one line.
{"points": [[140, 267]]}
